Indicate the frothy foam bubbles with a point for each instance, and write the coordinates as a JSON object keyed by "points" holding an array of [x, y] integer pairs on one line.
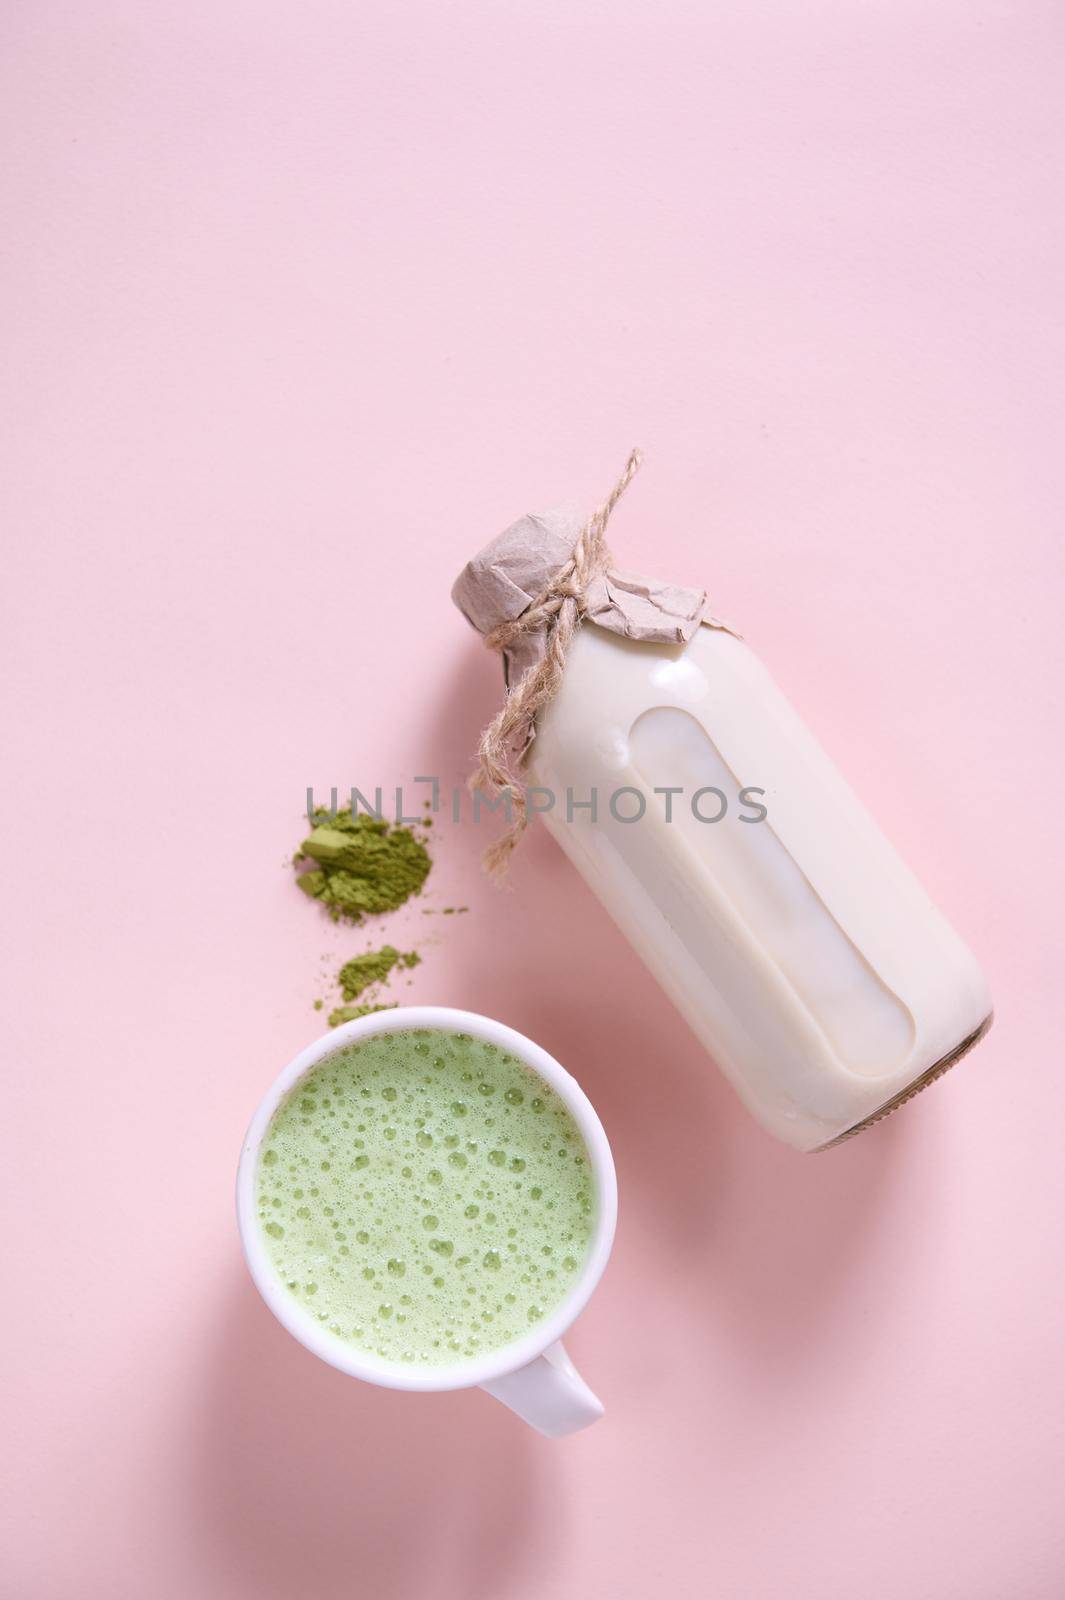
{"points": [[426, 1196]]}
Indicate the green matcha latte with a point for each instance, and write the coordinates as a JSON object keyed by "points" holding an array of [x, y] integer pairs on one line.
{"points": [[425, 1196]]}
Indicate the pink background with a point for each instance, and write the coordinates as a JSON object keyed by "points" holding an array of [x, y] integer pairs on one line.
{"points": [[304, 303]]}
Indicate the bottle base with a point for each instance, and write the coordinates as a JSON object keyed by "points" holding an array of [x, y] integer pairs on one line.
{"points": [[936, 1070]]}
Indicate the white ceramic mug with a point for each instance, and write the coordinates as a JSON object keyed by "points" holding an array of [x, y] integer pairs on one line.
{"points": [[533, 1375]]}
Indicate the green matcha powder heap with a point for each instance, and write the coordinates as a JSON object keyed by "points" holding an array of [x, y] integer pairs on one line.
{"points": [[362, 864]]}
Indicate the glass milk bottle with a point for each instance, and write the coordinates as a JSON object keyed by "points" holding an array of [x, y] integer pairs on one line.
{"points": [[801, 950]]}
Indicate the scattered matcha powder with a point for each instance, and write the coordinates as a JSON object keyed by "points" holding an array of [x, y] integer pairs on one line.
{"points": [[349, 1013], [363, 865], [365, 972]]}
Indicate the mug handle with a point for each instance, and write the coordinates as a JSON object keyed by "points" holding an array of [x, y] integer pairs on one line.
{"points": [[549, 1394]]}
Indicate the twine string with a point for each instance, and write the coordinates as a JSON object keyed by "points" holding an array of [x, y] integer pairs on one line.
{"points": [[557, 613]]}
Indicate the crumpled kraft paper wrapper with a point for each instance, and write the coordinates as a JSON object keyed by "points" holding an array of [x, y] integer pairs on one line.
{"points": [[506, 577]]}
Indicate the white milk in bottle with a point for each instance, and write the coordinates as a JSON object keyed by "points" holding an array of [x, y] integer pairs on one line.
{"points": [[800, 948]]}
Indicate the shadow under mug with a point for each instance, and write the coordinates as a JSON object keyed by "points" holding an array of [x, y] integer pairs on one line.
{"points": [[532, 1375]]}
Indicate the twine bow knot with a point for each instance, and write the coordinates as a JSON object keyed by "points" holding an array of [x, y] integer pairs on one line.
{"points": [[558, 613]]}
